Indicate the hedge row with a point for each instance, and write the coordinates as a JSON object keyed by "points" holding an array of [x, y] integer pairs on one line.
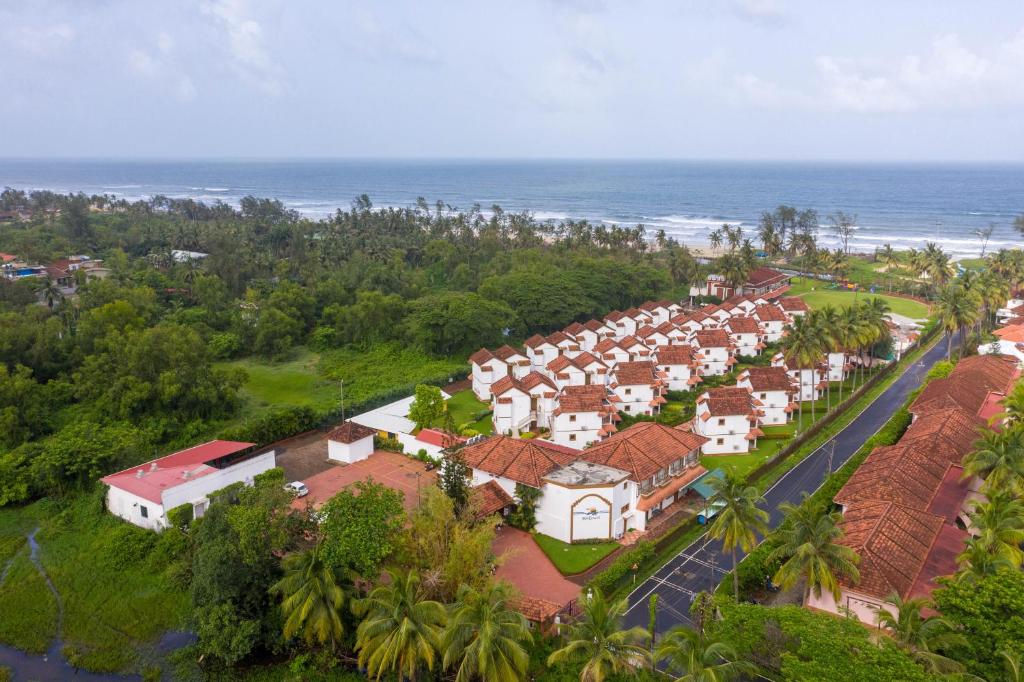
{"points": [[606, 580]]}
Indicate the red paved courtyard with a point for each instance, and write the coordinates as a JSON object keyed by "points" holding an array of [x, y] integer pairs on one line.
{"points": [[396, 471], [530, 570]]}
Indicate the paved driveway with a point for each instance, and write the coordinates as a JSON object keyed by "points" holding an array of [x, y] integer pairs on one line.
{"points": [[529, 569], [702, 565]]}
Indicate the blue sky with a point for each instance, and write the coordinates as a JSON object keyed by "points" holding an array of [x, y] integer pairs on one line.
{"points": [[744, 79]]}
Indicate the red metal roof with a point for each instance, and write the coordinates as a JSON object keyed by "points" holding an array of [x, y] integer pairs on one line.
{"points": [[169, 471]]}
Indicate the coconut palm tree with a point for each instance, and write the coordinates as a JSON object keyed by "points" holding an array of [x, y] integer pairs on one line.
{"points": [[1013, 406], [715, 239], [313, 595], [400, 632], [827, 319], [890, 258], [919, 636], [803, 347], [835, 263], [998, 459], [810, 551], [872, 313], [957, 310], [976, 561], [998, 525], [739, 521], [599, 642], [696, 657], [1012, 664], [484, 637], [50, 292]]}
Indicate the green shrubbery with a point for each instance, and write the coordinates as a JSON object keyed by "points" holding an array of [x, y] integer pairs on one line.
{"points": [[607, 579]]}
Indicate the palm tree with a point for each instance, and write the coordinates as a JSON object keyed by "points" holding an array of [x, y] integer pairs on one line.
{"points": [[890, 259], [400, 633], [832, 342], [872, 312], [715, 239], [835, 262], [696, 657], [976, 561], [50, 292], [998, 525], [1013, 406], [921, 637], [739, 521], [598, 640], [484, 637], [313, 595], [998, 459], [734, 270], [811, 552], [957, 310], [1013, 665], [803, 347]]}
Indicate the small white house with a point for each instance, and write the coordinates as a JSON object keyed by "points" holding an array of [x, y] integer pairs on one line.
{"points": [[540, 351], [717, 350], [489, 366], [839, 366], [350, 443], [746, 335], [392, 421], [680, 365], [143, 494], [652, 337], [638, 387], [689, 323], [774, 389], [564, 372], [620, 323], [565, 344], [611, 353], [510, 407], [773, 322], [594, 369], [728, 418], [794, 306], [810, 381], [636, 348], [583, 415], [660, 311]]}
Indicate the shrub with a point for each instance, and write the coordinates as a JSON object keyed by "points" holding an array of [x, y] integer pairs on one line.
{"points": [[180, 516], [607, 579], [224, 345], [390, 444], [275, 425], [126, 545]]}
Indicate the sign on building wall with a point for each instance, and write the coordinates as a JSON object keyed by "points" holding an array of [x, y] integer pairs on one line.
{"points": [[591, 518]]}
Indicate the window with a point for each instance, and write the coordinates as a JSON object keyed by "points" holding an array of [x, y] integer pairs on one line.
{"points": [[629, 391], [625, 508], [144, 511], [721, 421], [625, 484], [764, 396], [572, 417], [719, 441], [572, 436]]}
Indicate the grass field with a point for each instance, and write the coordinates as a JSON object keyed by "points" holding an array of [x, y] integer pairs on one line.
{"points": [[464, 406], [117, 599], [293, 382], [572, 559], [818, 295]]}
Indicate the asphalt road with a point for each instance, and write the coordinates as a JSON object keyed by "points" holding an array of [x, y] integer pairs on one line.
{"points": [[700, 566]]}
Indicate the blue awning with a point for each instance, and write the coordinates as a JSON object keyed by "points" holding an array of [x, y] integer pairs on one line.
{"points": [[701, 486]]}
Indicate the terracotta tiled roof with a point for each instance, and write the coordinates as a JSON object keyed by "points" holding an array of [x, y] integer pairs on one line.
{"points": [[728, 401], [628, 342], [614, 316], [535, 341], [651, 306], [712, 338], [592, 398], [743, 325], [968, 385], [769, 379], [506, 384], [506, 353], [534, 379], [641, 373], [490, 498], [635, 313], [536, 610], [574, 329], [769, 313], [587, 358], [481, 357], [644, 449], [793, 303], [607, 345], [560, 364], [558, 337], [350, 432], [762, 276], [525, 461], [903, 473], [675, 355], [595, 325], [893, 542], [949, 433], [645, 331]]}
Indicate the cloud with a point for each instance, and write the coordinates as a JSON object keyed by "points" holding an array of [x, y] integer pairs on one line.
{"points": [[162, 71], [41, 41], [249, 56], [769, 13], [391, 41]]}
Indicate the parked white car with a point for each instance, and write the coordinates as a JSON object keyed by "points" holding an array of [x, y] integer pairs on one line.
{"points": [[298, 488]]}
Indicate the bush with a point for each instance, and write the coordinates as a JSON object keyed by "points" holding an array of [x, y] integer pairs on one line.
{"points": [[390, 444], [180, 516], [126, 545], [224, 345], [607, 579], [274, 426]]}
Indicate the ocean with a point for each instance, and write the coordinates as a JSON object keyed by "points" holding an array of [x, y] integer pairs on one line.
{"points": [[904, 205]]}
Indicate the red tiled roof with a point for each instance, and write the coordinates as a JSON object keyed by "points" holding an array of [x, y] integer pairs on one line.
{"points": [[574, 329], [743, 325], [675, 355], [712, 338], [438, 438], [506, 352], [586, 358], [591, 398], [481, 357], [504, 385], [948, 433], [535, 341], [673, 486], [606, 345], [534, 379], [643, 449], [903, 473], [170, 471], [595, 325], [769, 313], [640, 373], [762, 276], [769, 379], [561, 363], [728, 401], [525, 461], [968, 385], [490, 498], [350, 432], [614, 316], [558, 337], [792, 303], [893, 542]]}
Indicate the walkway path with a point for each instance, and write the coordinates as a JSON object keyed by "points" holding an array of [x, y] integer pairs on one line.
{"points": [[702, 565]]}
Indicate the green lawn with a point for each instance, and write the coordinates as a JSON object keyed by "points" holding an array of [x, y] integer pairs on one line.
{"points": [[817, 295], [464, 407], [573, 559], [292, 382], [28, 611]]}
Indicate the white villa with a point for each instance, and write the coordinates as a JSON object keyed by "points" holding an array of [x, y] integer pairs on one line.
{"points": [[522, 405], [810, 382], [143, 494], [638, 387], [727, 417], [583, 415], [489, 366], [680, 365], [540, 351], [598, 493], [717, 350], [773, 322], [746, 335], [774, 389]]}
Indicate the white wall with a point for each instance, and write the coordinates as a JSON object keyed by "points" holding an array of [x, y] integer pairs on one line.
{"points": [[585, 428], [128, 506], [555, 509], [836, 366], [637, 401], [350, 452], [507, 484], [773, 330], [807, 381], [508, 417], [746, 344], [678, 377], [483, 379], [731, 442], [862, 606], [716, 361]]}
